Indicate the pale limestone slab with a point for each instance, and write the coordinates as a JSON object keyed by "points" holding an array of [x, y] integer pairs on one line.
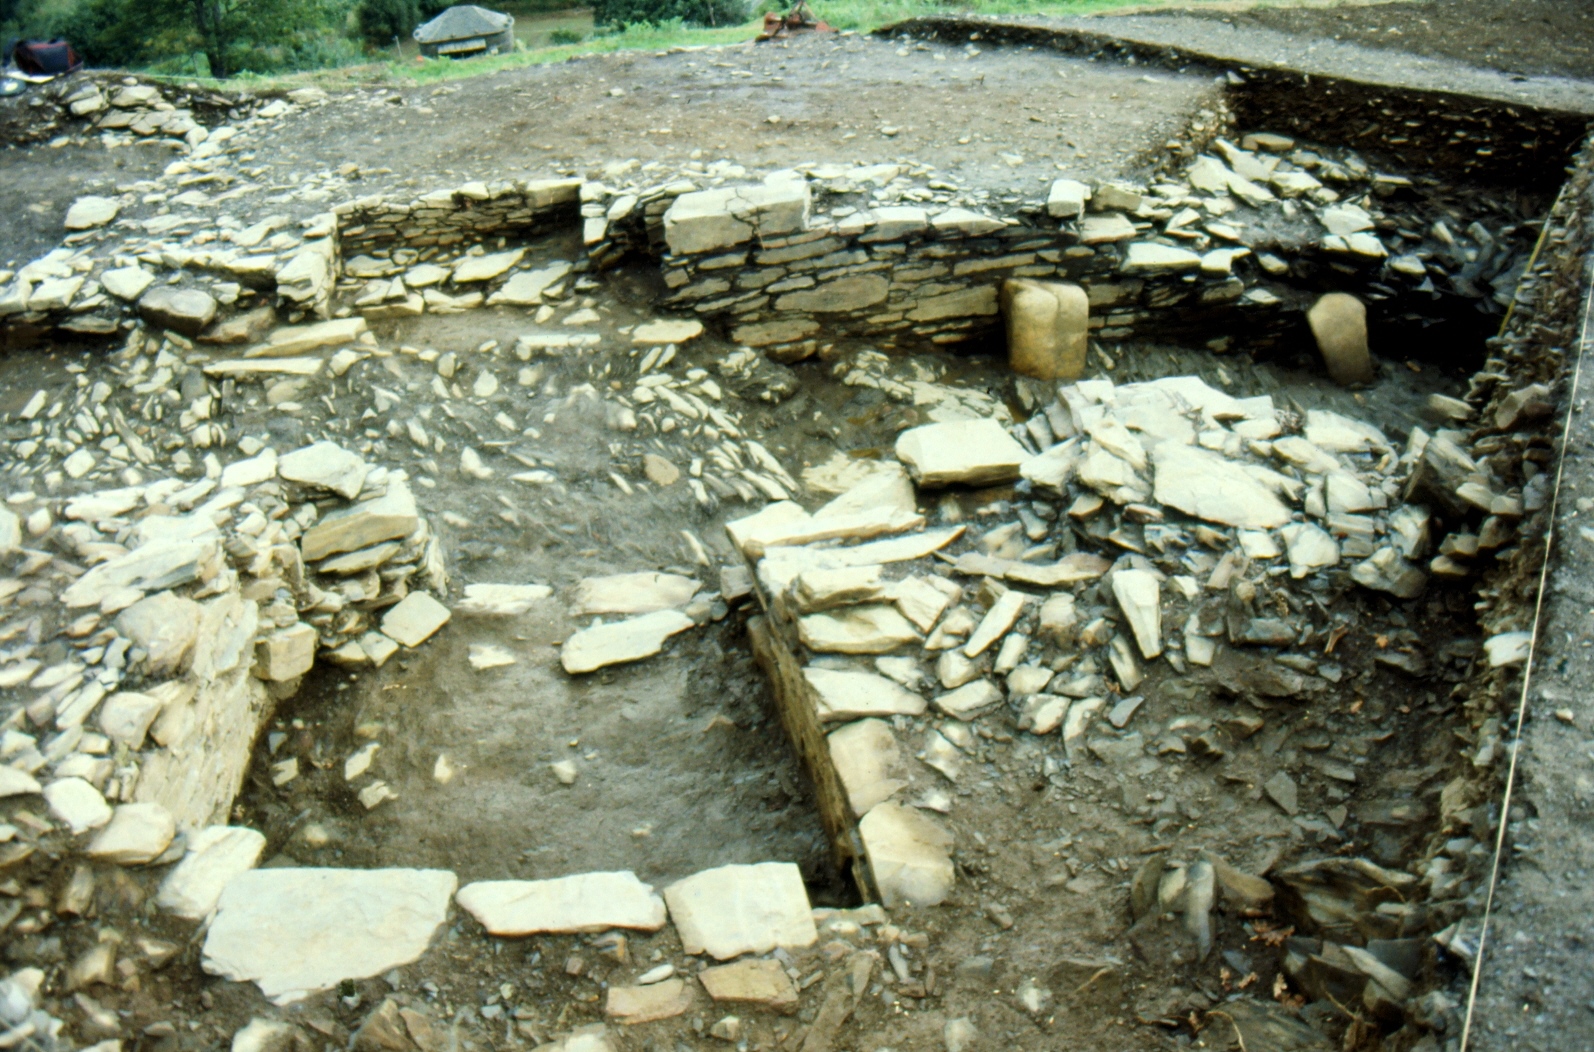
{"points": [[871, 629], [739, 909], [415, 619], [485, 268], [325, 465], [849, 695], [501, 600], [297, 931], [864, 754], [909, 854], [77, 803], [754, 981], [586, 902], [216, 854], [621, 641], [632, 593], [136, 833], [1209, 487], [388, 517], [997, 620], [1139, 595], [968, 452]]}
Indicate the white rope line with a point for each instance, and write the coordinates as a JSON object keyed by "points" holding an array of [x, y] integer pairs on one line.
{"points": [[1533, 646]]}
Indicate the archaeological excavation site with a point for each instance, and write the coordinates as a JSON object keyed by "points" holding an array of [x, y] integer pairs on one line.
{"points": [[996, 533]]}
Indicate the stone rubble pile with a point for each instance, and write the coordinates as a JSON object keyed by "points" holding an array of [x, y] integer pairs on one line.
{"points": [[890, 640], [159, 620], [119, 109]]}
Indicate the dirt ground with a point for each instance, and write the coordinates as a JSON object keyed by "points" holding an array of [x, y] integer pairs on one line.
{"points": [[38, 185], [1004, 122], [1545, 37], [993, 120]]}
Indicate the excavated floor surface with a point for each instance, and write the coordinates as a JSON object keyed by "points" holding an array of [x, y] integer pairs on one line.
{"points": [[681, 764]]}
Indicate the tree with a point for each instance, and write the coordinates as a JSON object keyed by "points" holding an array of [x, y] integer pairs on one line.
{"points": [[226, 27], [233, 35]]}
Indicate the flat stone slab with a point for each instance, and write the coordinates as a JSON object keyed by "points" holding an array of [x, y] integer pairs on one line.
{"points": [[127, 283], [216, 854], [87, 213], [970, 452], [969, 700], [761, 982], [846, 695], [586, 902], [666, 330], [711, 220], [864, 754], [501, 600], [1208, 487], [647, 1004], [739, 909], [77, 803], [1139, 597], [485, 268], [415, 619], [186, 310], [525, 288], [910, 855], [325, 466], [291, 340], [872, 629], [136, 833], [632, 593], [17, 783], [293, 932], [614, 644], [388, 517]]}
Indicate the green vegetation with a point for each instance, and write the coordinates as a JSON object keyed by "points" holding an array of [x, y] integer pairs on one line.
{"points": [[182, 36], [271, 38], [658, 12]]}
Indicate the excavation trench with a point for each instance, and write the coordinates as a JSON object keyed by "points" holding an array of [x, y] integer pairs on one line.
{"points": [[1321, 724]]}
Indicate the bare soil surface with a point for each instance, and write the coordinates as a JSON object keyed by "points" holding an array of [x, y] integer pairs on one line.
{"points": [[1535, 991], [38, 184], [1002, 122], [1546, 37]]}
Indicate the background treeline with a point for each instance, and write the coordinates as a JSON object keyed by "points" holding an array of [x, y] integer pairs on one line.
{"points": [[225, 37]]}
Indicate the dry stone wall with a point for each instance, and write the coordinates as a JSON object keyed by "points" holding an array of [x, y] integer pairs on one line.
{"points": [[780, 278], [1228, 250]]}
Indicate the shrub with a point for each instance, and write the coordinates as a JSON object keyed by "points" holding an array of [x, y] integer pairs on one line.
{"points": [[655, 12], [566, 36]]}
